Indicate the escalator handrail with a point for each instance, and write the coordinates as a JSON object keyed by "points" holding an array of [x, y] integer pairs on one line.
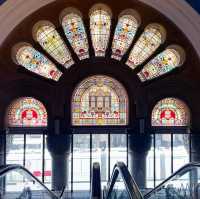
{"points": [[131, 186], [95, 188], [176, 174], [11, 167]]}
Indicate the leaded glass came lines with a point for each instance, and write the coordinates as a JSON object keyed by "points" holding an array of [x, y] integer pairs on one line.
{"points": [[149, 41], [100, 23], [36, 62], [26, 112], [99, 100], [170, 112], [50, 40], [74, 29], [163, 63], [124, 34]]}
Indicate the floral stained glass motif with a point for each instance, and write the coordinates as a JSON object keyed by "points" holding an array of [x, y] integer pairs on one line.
{"points": [[163, 63], [36, 62], [99, 100], [26, 112], [74, 29], [170, 112], [100, 24], [152, 37], [124, 34], [45, 33]]}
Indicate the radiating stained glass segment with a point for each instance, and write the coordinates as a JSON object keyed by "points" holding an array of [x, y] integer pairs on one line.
{"points": [[149, 41], [26, 112], [163, 63], [99, 100], [74, 29], [36, 62], [50, 40], [124, 34], [100, 23], [170, 112]]}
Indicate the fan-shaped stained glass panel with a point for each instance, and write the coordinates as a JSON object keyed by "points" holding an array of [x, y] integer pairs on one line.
{"points": [[100, 23], [152, 37], [124, 33], [170, 112], [74, 29], [45, 33], [163, 63], [36, 62], [26, 112], [99, 100]]}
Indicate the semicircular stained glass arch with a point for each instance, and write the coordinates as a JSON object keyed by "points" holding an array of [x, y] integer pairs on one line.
{"points": [[163, 63], [74, 29], [170, 112], [25, 55], [99, 100], [26, 112], [100, 25], [45, 33], [152, 37], [128, 23]]}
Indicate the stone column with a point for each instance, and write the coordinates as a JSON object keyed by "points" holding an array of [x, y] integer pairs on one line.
{"points": [[195, 157], [195, 148], [138, 147], [59, 147], [2, 147]]}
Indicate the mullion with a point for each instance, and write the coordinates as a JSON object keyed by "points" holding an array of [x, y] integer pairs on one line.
{"points": [[24, 154], [90, 156], [172, 153], [43, 156], [109, 156], [72, 155]]}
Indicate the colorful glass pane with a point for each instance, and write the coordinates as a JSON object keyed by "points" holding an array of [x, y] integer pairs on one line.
{"points": [[149, 41], [75, 32], [100, 23], [170, 112], [99, 100], [163, 63], [36, 62], [51, 41], [124, 34], [26, 112]]}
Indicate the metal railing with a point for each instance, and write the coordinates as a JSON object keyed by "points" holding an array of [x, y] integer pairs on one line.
{"points": [[6, 169], [131, 187]]}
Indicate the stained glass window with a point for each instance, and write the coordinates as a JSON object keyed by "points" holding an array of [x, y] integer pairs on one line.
{"points": [[163, 63], [26, 112], [25, 55], [45, 34], [74, 29], [152, 37], [125, 31], [99, 100], [170, 112], [100, 22]]}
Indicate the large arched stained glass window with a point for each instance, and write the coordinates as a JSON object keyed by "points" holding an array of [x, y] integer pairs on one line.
{"points": [[170, 112], [100, 23], [46, 35], [152, 37], [26, 112], [31, 59], [74, 29], [99, 100], [128, 23], [163, 63]]}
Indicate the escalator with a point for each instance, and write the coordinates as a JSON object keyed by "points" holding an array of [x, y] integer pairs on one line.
{"points": [[183, 184], [16, 182]]}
